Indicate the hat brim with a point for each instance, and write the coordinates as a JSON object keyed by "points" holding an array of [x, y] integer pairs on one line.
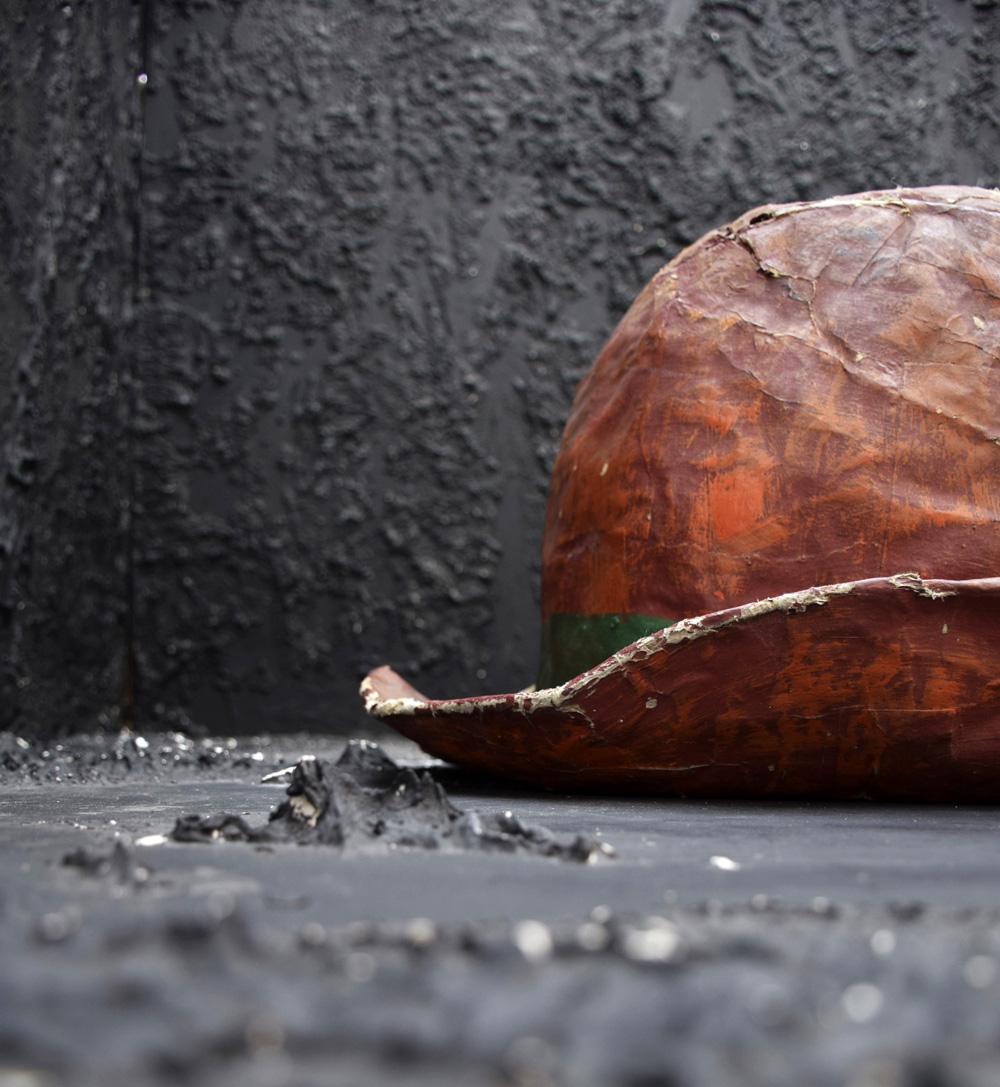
{"points": [[884, 688]]}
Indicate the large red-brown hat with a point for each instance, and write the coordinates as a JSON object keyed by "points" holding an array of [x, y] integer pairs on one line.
{"points": [[772, 545]]}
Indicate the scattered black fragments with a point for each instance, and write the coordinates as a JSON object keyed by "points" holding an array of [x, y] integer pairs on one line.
{"points": [[366, 800], [117, 866], [102, 757]]}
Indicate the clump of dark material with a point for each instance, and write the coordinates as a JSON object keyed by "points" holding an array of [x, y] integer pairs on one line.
{"points": [[117, 866], [365, 799]]}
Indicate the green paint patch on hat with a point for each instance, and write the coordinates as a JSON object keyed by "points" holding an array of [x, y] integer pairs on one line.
{"points": [[573, 643]]}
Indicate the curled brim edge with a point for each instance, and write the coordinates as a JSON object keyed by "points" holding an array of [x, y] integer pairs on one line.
{"points": [[885, 687]]}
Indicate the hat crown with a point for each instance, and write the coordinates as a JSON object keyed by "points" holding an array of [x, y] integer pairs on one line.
{"points": [[808, 395]]}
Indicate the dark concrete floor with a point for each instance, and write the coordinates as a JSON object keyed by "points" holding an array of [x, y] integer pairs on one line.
{"points": [[857, 853], [725, 943]]}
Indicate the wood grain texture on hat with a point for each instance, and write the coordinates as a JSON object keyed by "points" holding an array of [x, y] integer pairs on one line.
{"points": [[809, 395]]}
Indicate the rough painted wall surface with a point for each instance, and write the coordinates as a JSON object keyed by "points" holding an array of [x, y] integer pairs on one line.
{"points": [[67, 163], [382, 241], [386, 239]]}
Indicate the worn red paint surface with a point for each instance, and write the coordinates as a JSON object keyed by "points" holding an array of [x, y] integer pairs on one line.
{"points": [[885, 691], [808, 396]]}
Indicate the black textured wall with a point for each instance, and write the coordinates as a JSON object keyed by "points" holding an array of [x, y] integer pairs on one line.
{"points": [[68, 161], [382, 242]]}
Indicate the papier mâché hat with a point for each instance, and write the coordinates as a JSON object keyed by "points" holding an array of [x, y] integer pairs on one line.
{"points": [[772, 544]]}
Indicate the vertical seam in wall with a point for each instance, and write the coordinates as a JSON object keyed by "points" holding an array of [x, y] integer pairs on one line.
{"points": [[137, 300]]}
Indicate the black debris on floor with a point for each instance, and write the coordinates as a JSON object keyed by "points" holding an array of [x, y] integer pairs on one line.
{"points": [[99, 758], [364, 800], [129, 957]]}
